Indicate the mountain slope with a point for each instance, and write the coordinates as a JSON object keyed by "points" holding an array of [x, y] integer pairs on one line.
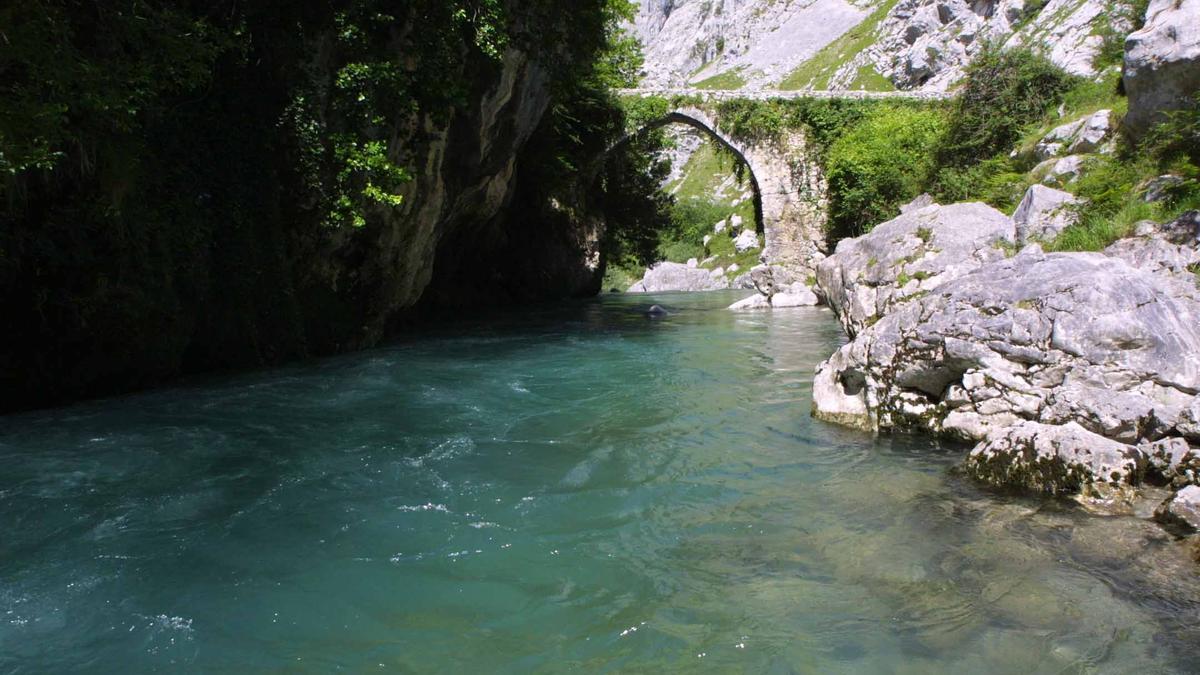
{"points": [[865, 44]]}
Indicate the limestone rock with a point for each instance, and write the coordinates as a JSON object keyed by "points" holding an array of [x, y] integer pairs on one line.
{"points": [[1058, 338], [1189, 421], [692, 40], [927, 44], [1094, 132], [917, 204], [1044, 213], [1169, 250], [1079, 137], [1162, 63], [918, 44], [1174, 460], [1159, 189], [797, 295], [908, 257], [1182, 509], [1053, 143], [746, 241], [743, 281], [1052, 459], [1060, 171], [668, 276], [756, 301]]}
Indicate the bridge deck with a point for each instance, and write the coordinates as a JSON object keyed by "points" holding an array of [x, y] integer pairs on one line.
{"points": [[769, 94]]}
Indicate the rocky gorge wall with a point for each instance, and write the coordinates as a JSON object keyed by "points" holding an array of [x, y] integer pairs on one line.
{"points": [[199, 238]]}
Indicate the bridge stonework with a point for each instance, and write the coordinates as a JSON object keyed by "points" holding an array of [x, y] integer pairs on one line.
{"points": [[791, 191]]}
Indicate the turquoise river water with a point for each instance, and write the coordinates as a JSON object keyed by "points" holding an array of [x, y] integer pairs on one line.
{"points": [[573, 488]]}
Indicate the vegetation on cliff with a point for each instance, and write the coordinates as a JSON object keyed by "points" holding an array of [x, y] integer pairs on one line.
{"points": [[191, 186], [879, 155]]}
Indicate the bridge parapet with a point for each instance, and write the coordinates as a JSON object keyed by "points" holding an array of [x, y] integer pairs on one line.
{"points": [[771, 94]]}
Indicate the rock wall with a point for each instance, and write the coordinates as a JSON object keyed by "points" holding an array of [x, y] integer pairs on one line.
{"points": [[457, 241], [222, 260], [1162, 63], [927, 44]]}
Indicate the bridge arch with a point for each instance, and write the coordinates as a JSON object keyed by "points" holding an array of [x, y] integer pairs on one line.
{"points": [[702, 122], [788, 185]]}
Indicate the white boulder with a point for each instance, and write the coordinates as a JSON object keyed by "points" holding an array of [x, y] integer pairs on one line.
{"points": [[746, 241], [1044, 213], [668, 276]]}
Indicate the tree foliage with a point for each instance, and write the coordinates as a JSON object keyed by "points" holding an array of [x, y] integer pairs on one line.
{"points": [[1005, 91], [880, 164], [177, 172]]}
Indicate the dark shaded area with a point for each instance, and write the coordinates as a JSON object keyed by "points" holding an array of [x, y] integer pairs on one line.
{"points": [[201, 186]]}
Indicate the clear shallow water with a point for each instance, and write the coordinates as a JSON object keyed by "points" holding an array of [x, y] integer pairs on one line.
{"points": [[573, 488]]}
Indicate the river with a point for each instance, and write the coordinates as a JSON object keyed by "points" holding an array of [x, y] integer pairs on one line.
{"points": [[572, 487]]}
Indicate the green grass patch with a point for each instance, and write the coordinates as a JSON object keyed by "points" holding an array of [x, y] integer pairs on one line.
{"points": [[619, 276], [703, 174], [728, 80], [869, 79]]}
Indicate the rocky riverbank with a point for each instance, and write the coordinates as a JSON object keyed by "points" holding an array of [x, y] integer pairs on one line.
{"points": [[1075, 373]]}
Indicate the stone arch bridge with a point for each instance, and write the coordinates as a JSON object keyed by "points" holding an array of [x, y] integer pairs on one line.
{"points": [[789, 186]]}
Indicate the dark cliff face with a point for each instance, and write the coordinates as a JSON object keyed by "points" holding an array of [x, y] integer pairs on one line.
{"points": [[194, 243], [469, 232]]}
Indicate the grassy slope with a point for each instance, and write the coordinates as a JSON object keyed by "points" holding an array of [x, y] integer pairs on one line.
{"points": [[728, 80], [1110, 181], [700, 204], [817, 71]]}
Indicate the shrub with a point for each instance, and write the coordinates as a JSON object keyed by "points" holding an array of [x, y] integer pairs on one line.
{"points": [[692, 219], [879, 164], [995, 181], [1005, 92], [1178, 139]]}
